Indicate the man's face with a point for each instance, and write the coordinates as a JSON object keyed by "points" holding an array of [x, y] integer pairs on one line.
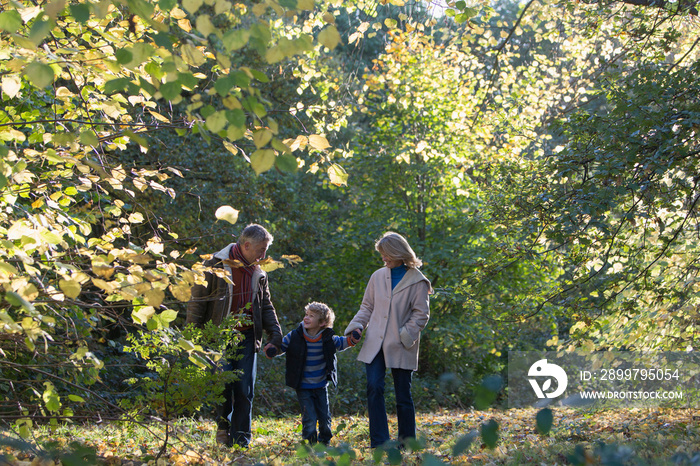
{"points": [[254, 252]]}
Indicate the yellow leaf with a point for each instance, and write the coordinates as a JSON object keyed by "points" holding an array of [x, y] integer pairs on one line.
{"points": [[269, 265], [216, 121], [159, 117], [154, 297], [227, 213], [337, 175], [192, 55], [70, 288], [11, 85], [182, 293], [204, 25], [329, 37], [192, 5], [231, 148], [305, 5], [109, 287], [143, 313], [261, 137], [318, 142], [136, 217]]}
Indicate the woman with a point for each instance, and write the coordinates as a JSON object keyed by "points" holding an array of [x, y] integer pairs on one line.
{"points": [[394, 310]]}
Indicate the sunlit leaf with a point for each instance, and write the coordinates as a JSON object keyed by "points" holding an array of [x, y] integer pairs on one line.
{"points": [[71, 288], [227, 213], [337, 174], [318, 142], [11, 85]]}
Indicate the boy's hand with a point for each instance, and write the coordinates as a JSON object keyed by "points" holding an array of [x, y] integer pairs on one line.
{"points": [[355, 336], [270, 351]]}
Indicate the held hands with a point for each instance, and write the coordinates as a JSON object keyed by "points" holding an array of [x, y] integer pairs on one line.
{"points": [[355, 337], [270, 351]]}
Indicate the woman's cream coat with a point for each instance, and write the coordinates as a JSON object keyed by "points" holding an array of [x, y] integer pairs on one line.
{"points": [[393, 319]]}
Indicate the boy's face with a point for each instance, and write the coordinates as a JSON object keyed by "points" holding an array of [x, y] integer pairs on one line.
{"points": [[313, 322]]}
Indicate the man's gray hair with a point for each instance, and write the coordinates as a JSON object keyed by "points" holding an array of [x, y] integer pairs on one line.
{"points": [[255, 234]]}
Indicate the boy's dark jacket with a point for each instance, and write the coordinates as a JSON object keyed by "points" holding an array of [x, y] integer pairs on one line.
{"points": [[296, 356]]}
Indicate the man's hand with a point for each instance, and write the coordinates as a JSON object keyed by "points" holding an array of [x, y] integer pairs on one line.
{"points": [[270, 351]]}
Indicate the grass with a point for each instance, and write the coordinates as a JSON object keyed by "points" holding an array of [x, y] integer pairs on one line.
{"points": [[634, 436]]}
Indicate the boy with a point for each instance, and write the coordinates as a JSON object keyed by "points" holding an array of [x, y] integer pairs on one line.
{"points": [[311, 363]]}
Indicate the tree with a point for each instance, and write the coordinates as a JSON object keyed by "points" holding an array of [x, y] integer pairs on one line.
{"points": [[82, 82]]}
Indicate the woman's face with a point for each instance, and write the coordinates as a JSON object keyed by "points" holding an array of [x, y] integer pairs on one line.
{"points": [[391, 263]]}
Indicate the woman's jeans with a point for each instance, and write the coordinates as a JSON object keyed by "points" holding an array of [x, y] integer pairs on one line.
{"points": [[405, 411], [314, 408], [236, 413]]}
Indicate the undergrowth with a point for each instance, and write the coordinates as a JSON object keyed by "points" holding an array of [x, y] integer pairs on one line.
{"points": [[491, 437]]}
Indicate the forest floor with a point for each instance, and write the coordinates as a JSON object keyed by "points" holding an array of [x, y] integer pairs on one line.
{"points": [[621, 437]]}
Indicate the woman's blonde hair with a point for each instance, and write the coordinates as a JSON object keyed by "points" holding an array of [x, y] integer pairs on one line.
{"points": [[326, 314], [395, 247]]}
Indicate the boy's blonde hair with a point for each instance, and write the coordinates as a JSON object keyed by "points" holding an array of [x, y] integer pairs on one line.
{"points": [[395, 246], [325, 313]]}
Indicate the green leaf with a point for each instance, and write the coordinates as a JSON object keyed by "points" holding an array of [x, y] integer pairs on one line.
{"points": [[81, 12], [236, 117], [167, 5], [167, 316], [76, 398], [123, 56], [10, 21], [18, 301], [236, 39], [287, 163], [240, 78], [464, 442], [262, 160], [116, 85], [394, 456], [487, 391], [431, 460], [171, 90], [51, 398], [40, 29], [89, 138], [142, 8], [39, 74], [260, 76], [199, 360], [489, 433], [544, 420], [216, 122], [223, 85], [187, 80]]}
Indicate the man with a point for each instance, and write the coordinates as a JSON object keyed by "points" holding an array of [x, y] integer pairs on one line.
{"points": [[248, 294]]}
